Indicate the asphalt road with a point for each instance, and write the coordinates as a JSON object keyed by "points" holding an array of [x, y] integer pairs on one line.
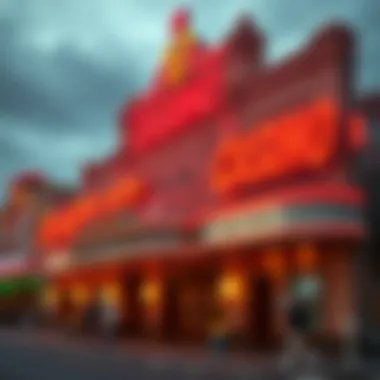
{"points": [[41, 356]]}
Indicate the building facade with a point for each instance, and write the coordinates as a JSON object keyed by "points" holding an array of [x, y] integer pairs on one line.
{"points": [[230, 192], [21, 278]]}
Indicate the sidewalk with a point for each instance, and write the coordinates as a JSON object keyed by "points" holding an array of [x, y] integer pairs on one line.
{"points": [[160, 352], [163, 358]]}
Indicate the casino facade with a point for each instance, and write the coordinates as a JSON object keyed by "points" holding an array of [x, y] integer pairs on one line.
{"points": [[231, 189]]}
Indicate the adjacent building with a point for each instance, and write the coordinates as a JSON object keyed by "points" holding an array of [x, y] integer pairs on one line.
{"points": [[21, 277]]}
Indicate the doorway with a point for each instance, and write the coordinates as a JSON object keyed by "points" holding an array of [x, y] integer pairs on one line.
{"points": [[65, 310], [195, 305], [261, 311], [134, 318], [171, 312]]}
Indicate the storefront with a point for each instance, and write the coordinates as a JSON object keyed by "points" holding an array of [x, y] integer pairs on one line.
{"points": [[20, 288], [230, 196], [21, 276], [307, 244]]}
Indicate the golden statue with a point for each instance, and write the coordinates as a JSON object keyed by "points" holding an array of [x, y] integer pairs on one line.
{"points": [[178, 55]]}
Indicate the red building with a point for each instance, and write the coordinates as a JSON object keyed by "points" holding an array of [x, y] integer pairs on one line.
{"points": [[230, 190]]}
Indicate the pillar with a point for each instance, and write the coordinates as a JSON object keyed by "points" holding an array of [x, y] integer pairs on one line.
{"points": [[231, 294], [275, 267], [151, 296], [339, 315]]}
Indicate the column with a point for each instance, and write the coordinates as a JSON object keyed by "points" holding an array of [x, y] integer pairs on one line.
{"points": [[231, 294], [274, 266], [151, 294]]}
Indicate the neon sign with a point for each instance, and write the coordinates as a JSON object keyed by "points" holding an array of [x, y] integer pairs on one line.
{"points": [[61, 226], [303, 141]]}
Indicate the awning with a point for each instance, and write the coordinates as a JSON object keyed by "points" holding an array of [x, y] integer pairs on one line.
{"points": [[19, 285], [308, 212]]}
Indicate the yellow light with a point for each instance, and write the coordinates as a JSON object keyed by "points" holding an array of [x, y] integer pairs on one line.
{"points": [[49, 297], [150, 292], [230, 288], [111, 293], [79, 295]]}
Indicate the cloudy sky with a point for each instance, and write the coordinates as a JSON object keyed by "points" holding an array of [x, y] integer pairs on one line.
{"points": [[67, 66]]}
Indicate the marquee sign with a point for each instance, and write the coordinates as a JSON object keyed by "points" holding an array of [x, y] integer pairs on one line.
{"points": [[303, 141], [284, 220], [61, 226]]}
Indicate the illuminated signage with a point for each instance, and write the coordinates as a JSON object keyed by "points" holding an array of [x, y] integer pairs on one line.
{"points": [[303, 141], [61, 226]]}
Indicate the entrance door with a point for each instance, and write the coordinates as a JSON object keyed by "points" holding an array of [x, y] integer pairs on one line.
{"points": [[170, 326], [189, 305], [197, 306], [261, 313], [134, 307]]}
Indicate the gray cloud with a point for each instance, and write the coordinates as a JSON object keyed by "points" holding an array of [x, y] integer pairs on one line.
{"points": [[67, 66]]}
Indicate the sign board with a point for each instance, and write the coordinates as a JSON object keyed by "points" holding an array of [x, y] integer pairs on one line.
{"points": [[295, 143]]}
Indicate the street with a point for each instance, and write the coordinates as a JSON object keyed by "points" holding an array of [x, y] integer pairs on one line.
{"points": [[43, 356]]}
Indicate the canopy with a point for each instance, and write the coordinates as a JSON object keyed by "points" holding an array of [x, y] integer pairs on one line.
{"points": [[12, 286]]}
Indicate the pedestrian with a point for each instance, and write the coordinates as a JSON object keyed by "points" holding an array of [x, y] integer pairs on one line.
{"points": [[219, 332], [92, 315], [351, 357], [297, 352], [110, 319]]}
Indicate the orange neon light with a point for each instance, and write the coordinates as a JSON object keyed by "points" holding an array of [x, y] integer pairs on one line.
{"points": [[125, 193], [61, 226], [47, 230], [303, 141], [57, 228], [84, 210]]}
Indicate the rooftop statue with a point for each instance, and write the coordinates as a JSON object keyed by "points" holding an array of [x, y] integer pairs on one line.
{"points": [[178, 56]]}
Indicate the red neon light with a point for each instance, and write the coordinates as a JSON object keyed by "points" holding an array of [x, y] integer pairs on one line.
{"points": [[156, 118], [303, 141]]}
